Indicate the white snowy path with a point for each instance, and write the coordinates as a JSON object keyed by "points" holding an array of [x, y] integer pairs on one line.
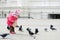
{"points": [[32, 23]]}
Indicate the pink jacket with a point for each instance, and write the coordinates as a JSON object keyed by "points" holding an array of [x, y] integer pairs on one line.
{"points": [[11, 19]]}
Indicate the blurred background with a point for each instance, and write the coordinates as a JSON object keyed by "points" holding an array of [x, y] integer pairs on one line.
{"points": [[34, 14], [31, 9]]}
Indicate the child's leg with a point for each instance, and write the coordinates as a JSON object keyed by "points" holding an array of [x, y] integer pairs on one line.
{"points": [[14, 24], [12, 31]]}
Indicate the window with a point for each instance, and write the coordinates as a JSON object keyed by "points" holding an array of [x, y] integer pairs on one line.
{"points": [[54, 16]]}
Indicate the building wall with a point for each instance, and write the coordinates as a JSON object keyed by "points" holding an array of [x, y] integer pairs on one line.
{"points": [[36, 8], [41, 8]]}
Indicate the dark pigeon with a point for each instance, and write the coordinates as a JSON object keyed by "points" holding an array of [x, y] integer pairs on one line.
{"points": [[52, 28], [20, 28], [36, 31], [4, 35], [30, 32]]}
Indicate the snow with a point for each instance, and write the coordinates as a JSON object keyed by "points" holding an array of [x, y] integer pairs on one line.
{"points": [[32, 23]]}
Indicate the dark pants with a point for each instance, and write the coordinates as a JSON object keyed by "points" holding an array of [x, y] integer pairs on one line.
{"points": [[11, 28]]}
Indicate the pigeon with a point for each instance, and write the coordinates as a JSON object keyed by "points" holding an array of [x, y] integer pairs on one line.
{"points": [[36, 31], [52, 28], [20, 28], [4, 35], [8, 27], [46, 29], [30, 32]]}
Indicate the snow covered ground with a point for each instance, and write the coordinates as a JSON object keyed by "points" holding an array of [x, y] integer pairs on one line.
{"points": [[32, 23]]}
